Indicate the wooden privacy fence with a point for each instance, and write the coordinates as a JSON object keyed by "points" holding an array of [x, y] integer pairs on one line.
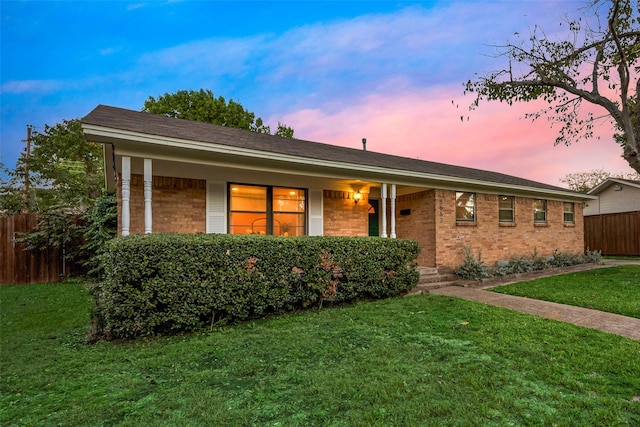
{"points": [[20, 266], [613, 234]]}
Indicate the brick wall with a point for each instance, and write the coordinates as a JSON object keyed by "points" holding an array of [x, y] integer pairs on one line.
{"points": [[342, 216], [418, 223], [178, 205], [499, 241]]}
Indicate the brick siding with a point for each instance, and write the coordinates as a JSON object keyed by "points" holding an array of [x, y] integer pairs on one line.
{"points": [[342, 216], [499, 241], [429, 218], [418, 223], [178, 205]]}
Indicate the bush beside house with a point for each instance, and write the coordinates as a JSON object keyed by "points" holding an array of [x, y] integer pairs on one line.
{"points": [[474, 268], [168, 283]]}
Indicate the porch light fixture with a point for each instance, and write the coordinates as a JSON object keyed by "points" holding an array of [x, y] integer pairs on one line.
{"points": [[356, 197]]}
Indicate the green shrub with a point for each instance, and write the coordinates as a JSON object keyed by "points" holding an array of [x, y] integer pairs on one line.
{"points": [[502, 268], [472, 268], [594, 257], [167, 283], [561, 259], [540, 262], [521, 264], [102, 222]]}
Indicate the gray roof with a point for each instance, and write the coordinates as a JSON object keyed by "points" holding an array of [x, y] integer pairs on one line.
{"points": [[630, 181], [607, 182], [158, 125]]}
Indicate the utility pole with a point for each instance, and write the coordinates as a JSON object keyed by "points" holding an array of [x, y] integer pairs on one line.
{"points": [[25, 195]]}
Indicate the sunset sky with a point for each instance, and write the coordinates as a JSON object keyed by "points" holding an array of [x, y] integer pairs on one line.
{"points": [[337, 72]]}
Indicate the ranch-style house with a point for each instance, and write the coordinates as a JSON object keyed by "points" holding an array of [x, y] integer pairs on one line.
{"points": [[174, 175]]}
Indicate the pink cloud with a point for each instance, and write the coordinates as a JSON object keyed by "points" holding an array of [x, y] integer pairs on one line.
{"points": [[424, 124]]}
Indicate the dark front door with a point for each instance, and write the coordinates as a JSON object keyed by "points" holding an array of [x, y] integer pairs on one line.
{"points": [[374, 220]]}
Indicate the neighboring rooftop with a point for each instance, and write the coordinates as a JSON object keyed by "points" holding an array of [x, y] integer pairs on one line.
{"points": [[612, 180], [162, 126]]}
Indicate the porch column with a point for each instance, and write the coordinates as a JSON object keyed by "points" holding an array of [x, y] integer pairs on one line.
{"points": [[148, 186], [126, 194], [393, 211], [384, 210]]}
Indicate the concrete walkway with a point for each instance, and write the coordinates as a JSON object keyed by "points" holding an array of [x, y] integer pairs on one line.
{"points": [[608, 322]]}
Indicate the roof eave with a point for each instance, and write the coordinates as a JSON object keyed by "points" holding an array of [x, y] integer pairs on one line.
{"points": [[108, 135], [604, 184]]}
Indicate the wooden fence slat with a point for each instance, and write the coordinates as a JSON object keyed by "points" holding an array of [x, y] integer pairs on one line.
{"points": [[19, 266], [613, 234]]}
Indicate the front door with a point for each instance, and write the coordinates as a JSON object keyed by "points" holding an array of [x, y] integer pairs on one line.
{"points": [[374, 220]]}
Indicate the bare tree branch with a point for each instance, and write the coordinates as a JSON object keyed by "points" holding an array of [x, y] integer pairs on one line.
{"points": [[558, 71]]}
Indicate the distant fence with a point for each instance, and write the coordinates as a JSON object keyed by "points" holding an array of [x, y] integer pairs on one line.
{"points": [[613, 234], [20, 266]]}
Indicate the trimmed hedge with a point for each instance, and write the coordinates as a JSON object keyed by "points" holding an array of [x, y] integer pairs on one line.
{"points": [[168, 283]]}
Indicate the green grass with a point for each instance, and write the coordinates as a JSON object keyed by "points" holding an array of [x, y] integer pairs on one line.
{"points": [[621, 258], [613, 289], [423, 360]]}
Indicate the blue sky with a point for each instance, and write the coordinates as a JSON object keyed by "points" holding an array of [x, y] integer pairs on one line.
{"points": [[334, 71]]}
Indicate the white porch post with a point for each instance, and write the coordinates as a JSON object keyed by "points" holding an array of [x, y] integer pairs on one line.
{"points": [[384, 211], [393, 211], [126, 194], [148, 186]]}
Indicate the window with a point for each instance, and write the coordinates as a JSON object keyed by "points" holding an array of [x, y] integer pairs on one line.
{"points": [[568, 213], [539, 211], [465, 206], [506, 209], [257, 209]]}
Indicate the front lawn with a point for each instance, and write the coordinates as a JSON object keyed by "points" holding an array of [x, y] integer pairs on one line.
{"points": [[422, 360], [614, 289]]}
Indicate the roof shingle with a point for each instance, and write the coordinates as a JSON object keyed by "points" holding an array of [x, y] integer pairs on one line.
{"points": [[158, 125]]}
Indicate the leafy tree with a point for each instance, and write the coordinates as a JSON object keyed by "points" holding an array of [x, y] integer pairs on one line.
{"points": [[284, 131], [102, 223], [203, 106], [64, 168], [585, 181], [11, 197], [59, 227], [65, 176], [597, 63]]}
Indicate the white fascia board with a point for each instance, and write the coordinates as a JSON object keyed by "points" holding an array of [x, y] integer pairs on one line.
{"points": [[398, 176], [598, 187], [604, 184]]}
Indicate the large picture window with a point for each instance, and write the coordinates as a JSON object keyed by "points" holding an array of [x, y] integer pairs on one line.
{"points": [[255, 209], [506, 209], [465, 206], [539, 211]]}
